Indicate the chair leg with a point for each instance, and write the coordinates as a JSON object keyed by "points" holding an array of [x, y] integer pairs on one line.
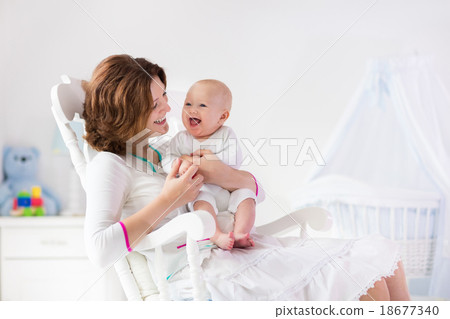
{"points": [[163, 286], [193, 256]]}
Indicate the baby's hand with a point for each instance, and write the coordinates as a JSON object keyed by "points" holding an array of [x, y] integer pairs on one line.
{"points": [[184, 167]]}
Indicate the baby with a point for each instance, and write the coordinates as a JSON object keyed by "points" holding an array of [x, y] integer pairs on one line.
{"points": [[206, 108]]}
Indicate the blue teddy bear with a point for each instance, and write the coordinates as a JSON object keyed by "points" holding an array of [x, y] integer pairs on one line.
{"points": [[20, 165]]}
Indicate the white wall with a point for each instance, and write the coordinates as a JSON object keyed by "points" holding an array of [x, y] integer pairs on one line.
{"points": [[258, 48]]}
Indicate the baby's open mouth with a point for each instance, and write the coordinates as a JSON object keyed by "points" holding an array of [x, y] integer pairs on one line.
{"points": [[194, 121]]}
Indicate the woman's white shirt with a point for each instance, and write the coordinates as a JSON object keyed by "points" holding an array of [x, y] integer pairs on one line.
{"points": [[115, 191]]}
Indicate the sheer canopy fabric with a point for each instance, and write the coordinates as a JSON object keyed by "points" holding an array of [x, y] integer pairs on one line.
{"points": [[395, 136]]}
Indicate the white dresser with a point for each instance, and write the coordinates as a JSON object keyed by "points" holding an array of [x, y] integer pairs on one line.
{"points": [[43, 258]]}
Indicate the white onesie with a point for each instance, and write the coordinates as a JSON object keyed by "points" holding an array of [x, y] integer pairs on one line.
{"points": [[224, 144]]}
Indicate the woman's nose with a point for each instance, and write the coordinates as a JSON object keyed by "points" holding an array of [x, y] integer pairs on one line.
{"points": [[167, 107]]}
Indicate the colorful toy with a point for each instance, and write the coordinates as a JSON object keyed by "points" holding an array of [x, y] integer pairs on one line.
{"points": [[20, 166], [29, 205]]}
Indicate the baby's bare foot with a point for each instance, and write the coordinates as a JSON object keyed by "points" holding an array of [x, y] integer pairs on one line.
{"points": [[243, 241], [223, 240]]}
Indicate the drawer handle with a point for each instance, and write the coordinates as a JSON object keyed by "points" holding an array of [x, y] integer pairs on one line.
{"points": [[53, 242]]}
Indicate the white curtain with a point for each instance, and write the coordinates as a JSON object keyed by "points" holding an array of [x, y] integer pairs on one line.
{"points": [[423, 107], [395, 136]]}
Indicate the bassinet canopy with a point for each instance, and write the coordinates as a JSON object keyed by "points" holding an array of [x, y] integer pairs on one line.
{"points": [[388, 166]]}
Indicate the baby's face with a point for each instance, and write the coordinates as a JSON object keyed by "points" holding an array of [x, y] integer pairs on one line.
{"points": [[204, 111]]}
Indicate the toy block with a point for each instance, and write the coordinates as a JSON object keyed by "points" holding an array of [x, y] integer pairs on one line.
{"points": [[27, 211], [16, 212], [36, 202], [23, 194], [39, 211], [24, 201], [36, 192]]}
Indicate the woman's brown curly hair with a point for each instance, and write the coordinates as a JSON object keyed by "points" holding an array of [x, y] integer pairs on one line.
{"points": [[118, 101]]}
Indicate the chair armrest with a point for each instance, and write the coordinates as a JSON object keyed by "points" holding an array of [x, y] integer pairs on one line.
{"points": [[196, 225], [317, 218]]}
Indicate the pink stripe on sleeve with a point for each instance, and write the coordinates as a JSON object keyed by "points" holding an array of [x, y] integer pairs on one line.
{"points": [[256, 183], [125, 233]]}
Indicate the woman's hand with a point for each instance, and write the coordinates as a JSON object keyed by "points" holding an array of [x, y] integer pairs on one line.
{"points": [[217, 172], [184, 189], [210, 166]]}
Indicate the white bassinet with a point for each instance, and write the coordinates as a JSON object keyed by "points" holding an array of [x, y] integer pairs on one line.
{"points": [[405, 216], [387, 167]]}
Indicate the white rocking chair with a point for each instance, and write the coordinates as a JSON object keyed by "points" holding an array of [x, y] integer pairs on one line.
{"points": [[67, 106]]}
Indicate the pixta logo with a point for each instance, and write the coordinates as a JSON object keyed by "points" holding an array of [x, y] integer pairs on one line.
{"points": [[141, 149]]}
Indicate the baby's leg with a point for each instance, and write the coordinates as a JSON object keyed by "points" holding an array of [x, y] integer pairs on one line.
{"points": [[221, 239], [244, 220]]}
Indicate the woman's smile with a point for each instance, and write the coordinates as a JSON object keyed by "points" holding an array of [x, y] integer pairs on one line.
{"points": [[161, 121], [157, 120]]}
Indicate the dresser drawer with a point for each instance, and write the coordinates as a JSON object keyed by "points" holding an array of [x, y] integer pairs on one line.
{"points": [[37, 242], [58, 279]]}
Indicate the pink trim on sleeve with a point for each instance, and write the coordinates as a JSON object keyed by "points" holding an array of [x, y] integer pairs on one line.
{"points": [[256, 183], [125, 233]]}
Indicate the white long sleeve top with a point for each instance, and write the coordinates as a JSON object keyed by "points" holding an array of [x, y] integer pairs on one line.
{"points": [[115, 191]]}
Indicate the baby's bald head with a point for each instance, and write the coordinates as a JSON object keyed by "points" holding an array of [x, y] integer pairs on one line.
{"points": [[217, 89]]}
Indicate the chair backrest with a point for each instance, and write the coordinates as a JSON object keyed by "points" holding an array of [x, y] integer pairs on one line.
{"points": [[67, 106], [68, 98]]}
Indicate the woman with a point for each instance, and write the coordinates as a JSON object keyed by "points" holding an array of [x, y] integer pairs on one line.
{"points": [[126, 96]]}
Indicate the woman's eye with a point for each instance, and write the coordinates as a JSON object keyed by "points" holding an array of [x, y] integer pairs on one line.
{"points": [[155, 106], [202, 105], [188, 104]]}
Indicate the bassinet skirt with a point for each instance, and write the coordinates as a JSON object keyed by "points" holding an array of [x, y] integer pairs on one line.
{"points": [[294, 269]]}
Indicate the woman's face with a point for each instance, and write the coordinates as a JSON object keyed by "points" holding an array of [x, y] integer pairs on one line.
{"points": [[157, 120]]}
